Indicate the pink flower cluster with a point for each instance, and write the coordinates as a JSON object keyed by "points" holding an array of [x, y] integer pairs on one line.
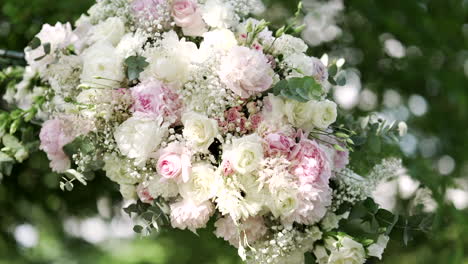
{"points": [[53, 138], [155, 98], [235, 120]]}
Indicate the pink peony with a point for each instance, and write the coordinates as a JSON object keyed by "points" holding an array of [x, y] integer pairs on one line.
{"points": [[144, 194], [156, 99], [187, 16], [278, 143], [312, 204], [311, 163], [53, 137], [246, 72], [188, 215], [174, 162], [253, 228]]}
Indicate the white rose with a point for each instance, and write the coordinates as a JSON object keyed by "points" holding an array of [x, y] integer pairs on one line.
{"points": [[202, 185], [349, 252], [138, 137], [110, 30], [171, 61], [299, 114], [377, 249], [321, 255], [246, 153], [102, 67], [199, 130], [324, 114], [216, 40], [284, 203], [218, 14]]}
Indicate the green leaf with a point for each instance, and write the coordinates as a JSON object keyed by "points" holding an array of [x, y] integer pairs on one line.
{"points": [[341, 79], [5, 158], [332, 70], [47, 48], [138, 229], [135, 65], [35, 43], [299, 89]]}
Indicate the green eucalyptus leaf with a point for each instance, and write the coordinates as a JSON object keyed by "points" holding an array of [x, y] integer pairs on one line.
{"points": [[135, 65], [35, 43]]}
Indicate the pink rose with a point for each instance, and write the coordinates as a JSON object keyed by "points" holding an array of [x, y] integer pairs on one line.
{"points": [[153, 97], [311, 163], [144, 194], [187, 16], [246, 72], [255, 120], [279, 144], [174, 162], [53, 138], [226, 167], [233, 114]]}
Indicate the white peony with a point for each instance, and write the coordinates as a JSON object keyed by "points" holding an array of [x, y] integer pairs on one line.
{"points": [[349, 252], [138, 137], [189, 215], [246, 71], [130, 45], [171, 60], [202, 185], [199, 130], [377, 249], [221, 40], [218, 14], [299, 114], [111, 30], [58, 37], [102, 67], [245, 153], [324, 114]]}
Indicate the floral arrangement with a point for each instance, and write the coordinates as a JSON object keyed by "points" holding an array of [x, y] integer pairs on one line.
{"points": [[199, 112]]}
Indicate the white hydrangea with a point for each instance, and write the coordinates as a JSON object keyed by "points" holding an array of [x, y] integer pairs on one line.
{"points": [[128, 191], [120, 170], [102, 67], [138, 137], [288, 45], [64, 76], [159, 187]]}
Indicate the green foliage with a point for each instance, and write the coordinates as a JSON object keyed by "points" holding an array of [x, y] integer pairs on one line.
{"points": [[135, 65], [300, 89]]}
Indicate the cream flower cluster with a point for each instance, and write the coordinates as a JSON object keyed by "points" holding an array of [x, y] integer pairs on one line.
{"points": [[180, 98]]}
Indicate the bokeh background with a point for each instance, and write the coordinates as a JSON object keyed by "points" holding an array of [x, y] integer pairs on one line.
{"points": [[405, 60]]}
